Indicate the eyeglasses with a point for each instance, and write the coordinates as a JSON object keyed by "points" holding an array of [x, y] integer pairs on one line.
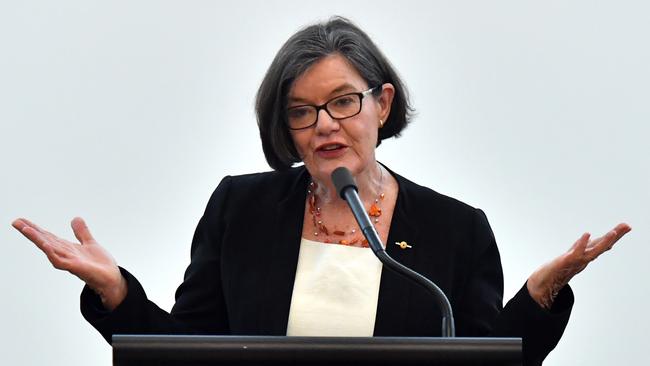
{"points": [[341, 107]]}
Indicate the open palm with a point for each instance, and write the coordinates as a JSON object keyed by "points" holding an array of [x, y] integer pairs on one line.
{"points": [[545, 283], [86, 259]]}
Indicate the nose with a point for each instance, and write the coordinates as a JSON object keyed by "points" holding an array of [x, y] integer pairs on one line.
{"points": [[325, 124]]}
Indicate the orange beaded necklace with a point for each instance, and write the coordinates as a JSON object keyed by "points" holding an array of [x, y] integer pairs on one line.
{"points": [[339, 235]]}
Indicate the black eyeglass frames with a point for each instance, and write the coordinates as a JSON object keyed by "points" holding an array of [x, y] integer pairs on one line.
{"points": [[343, 106]]}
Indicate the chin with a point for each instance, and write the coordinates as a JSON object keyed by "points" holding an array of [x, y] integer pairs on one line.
{"points": [[326, 170]]}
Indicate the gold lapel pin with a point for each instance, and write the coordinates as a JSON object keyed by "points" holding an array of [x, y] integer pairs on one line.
{"points": [[403, 244]]}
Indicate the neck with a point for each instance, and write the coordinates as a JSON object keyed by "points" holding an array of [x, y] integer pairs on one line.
{"points": [[370, 183]]}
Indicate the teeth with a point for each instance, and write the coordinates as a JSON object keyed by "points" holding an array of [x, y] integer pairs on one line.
{"points": [[331, 147]]}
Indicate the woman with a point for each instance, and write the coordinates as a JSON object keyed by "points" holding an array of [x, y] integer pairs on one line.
{"points": [[279, 253]]}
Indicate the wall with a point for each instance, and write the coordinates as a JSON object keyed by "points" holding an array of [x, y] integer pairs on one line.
{"points": [[128, 113]]}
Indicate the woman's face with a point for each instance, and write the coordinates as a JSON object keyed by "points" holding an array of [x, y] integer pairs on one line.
{"points": [[332, 143]]}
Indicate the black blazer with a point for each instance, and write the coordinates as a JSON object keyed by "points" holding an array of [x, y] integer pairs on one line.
{"points": [[245, 252]]}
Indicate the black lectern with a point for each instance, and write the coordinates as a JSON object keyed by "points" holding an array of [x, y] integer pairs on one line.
{"points": [[168, 350]]}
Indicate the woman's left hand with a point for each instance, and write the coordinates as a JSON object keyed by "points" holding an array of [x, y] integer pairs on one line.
{"points": [[545, 283]]}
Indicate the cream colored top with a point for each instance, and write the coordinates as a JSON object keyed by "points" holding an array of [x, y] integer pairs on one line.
{"points": [[335, 292]]}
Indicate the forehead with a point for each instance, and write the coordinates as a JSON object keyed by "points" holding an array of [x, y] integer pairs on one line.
{"points": [[329, 74]]}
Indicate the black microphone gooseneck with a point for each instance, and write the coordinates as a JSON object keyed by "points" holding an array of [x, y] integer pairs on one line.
{"points": [[347, 189]]}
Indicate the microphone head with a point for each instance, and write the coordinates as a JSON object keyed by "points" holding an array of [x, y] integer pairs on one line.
{"points": [[342, 179]]}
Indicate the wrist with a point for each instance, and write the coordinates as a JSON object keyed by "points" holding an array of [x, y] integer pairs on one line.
{"points": [[544, 287], [113, 295], [543, 296], [541, 289]]}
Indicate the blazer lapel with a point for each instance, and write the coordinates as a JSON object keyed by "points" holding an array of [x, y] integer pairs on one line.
{"points": [[392, 306], [283, 259]]}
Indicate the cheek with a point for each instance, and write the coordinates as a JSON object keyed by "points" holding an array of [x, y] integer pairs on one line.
{"points": [[300, 143], [366, 137], [371, 142]]}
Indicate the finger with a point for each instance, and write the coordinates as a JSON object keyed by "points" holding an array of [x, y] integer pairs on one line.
{"points": [[580, 245], [622, 229], [603, 244], [18, 224], [42, 238], [37, 238], [47, 235], [33, 226], [618, 232], [81, 231]]}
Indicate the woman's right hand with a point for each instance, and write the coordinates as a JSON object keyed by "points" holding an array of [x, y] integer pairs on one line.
{"points": [[86, 260]]}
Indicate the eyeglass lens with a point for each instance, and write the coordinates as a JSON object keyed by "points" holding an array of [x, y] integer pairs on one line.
{"points": [[344, 106]]}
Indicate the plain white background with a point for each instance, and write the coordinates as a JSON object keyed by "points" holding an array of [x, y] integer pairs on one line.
{"points": [[128, 113]]}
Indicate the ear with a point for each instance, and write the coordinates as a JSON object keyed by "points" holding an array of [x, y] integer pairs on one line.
{"points": [[385, 100]]}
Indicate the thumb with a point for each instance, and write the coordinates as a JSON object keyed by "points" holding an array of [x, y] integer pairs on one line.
{"points": [[81, 231]]}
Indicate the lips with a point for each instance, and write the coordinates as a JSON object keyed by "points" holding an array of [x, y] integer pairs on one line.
{"points": [[330, 150], [331, 147]]}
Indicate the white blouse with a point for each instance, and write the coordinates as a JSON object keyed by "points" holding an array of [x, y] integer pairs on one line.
{"points": [[335, 292]]}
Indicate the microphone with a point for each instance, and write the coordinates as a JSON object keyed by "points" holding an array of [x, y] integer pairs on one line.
{"points": [[347, 189]]}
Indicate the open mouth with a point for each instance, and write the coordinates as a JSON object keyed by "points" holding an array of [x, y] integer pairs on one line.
{"points": [[331, 147]]}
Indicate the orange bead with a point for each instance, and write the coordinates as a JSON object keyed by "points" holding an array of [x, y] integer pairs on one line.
{"points": [[374, 211]]}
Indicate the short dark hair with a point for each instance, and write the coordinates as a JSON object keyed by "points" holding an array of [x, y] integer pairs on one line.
{"points": [[335, 36]]}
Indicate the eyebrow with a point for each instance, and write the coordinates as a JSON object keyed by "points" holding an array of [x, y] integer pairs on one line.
{"points": [[341, 88]]}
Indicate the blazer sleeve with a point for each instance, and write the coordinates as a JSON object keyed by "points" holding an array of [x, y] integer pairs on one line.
{"points": [[480, 311], [200, 307]]}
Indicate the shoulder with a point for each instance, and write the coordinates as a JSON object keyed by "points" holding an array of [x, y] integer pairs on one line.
{"points": [[272, 182], [450, 223], [418, 197], [260, 188], [270, 177], [427, 208]]}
